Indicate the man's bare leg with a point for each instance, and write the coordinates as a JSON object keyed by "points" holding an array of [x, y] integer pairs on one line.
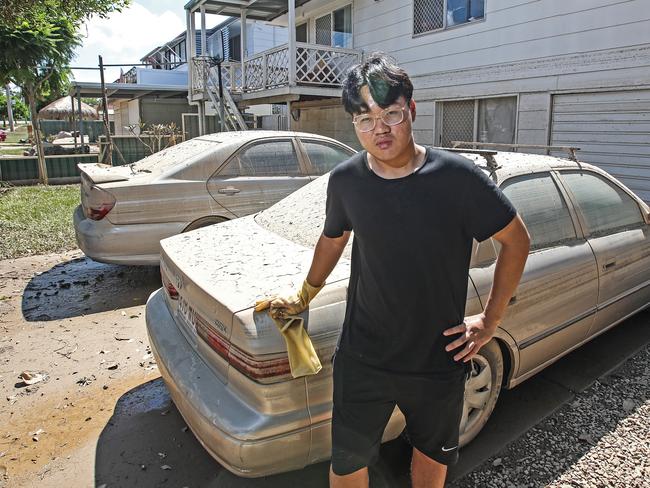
{"points": [[358, 479], [425, 472]]}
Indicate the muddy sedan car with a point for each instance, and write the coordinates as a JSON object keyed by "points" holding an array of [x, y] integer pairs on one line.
{"points": [[126, 210], [226, 366]]}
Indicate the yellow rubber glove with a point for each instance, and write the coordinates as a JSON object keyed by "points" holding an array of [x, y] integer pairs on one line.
{"points": [[284, 311], [281, 307]]}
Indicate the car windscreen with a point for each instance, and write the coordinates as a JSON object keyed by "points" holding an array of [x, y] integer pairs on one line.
{"points": [[167, 158], [300, 216]]}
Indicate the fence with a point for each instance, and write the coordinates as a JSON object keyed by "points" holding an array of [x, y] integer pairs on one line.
{"points": [[60, 169], [191, 125], [131, 148], [91, 128]]}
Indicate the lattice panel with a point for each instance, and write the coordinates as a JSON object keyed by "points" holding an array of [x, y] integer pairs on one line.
{"points": [[255, 74], [200, 70], [323, 66], [225, 77], [277, 68], [428, 15], [236, 77], [457, 122]]}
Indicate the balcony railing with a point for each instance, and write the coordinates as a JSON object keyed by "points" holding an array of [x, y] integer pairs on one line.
{"points": [[316, 65]]}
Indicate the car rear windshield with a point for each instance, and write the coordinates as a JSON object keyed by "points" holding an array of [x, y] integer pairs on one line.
{"points": [[165, 159], [300, 216]]}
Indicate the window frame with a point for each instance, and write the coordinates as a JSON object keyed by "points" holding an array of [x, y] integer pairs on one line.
{"points": [[438, 109], [311, 170], [311, 23], [579, 213], [444, 27], [569, 204], [296, 149]]}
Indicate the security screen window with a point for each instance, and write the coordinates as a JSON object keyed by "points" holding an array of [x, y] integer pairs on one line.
{"points": [[335, 28], [482, 120], [432, 15]]}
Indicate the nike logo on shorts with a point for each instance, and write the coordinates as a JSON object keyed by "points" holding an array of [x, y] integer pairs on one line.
{"points": [[447, 449]]}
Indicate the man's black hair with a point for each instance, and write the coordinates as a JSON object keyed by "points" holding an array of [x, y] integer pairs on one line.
{"points": [[385, 80]]}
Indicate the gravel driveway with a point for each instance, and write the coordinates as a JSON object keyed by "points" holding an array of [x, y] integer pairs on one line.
{"points": [[601, 439]]}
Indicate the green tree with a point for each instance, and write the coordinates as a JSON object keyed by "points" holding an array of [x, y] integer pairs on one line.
{"points": [[19, 108], [14, 12], [37, 43]]}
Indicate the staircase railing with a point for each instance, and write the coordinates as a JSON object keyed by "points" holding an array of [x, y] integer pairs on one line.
{"points": [[232, 117]]}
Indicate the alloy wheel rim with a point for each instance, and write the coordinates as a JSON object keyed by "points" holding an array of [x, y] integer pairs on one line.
{"points": [[478, 389]]}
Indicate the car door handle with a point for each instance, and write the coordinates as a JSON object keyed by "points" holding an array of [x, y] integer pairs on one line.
{"points": [[611, 264], [228, 190]]}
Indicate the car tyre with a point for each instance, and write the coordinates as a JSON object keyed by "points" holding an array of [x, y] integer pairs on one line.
{"points": [[204, 222], [482, 389]]}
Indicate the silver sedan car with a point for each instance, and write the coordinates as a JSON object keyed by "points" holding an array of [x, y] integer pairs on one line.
{"points": [[226, 366], [126, 210]]}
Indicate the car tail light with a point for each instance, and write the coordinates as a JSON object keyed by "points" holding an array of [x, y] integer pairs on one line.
{"points": [[171, 290], [263, 371], [98, 203]]}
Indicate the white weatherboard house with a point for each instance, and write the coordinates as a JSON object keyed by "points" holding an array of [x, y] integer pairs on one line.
{"points": [[541, 72]]}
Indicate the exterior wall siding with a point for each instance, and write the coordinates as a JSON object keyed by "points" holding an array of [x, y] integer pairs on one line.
{"points": [[533, 49], [165, 111]]}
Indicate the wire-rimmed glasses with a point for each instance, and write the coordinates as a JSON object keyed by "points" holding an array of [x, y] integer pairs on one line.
{"points": [[389, 116]]}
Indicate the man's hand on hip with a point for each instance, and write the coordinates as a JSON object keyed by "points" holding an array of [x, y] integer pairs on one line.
{"points": [[476, 332]]}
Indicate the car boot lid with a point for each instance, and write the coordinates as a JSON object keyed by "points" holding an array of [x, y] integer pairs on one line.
{"points": [[238, 262]]}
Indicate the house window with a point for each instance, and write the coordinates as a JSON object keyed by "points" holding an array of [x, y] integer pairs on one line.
{"points": [[432, 15], [301, 32], [183, 50], [483, 120], [335, 28]]}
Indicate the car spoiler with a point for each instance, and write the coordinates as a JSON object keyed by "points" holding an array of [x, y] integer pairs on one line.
{"points": [[104, 173]]}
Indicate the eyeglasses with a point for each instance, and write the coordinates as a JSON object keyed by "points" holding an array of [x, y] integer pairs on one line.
{"points": [[390, 116]]}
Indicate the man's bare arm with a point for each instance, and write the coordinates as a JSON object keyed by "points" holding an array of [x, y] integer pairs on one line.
{"points": [[326, 254], [478, 329]]}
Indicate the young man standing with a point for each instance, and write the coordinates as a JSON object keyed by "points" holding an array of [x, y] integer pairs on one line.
{"points": [[414, 212]]}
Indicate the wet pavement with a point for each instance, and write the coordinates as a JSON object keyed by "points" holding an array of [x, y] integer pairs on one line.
{"points": [[82, 286], [102, 416]]}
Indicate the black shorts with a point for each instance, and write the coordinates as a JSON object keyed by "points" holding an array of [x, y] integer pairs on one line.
{"points": [[364, 399]]}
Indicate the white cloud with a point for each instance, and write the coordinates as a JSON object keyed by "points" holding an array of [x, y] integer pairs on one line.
{"points": [[125, 37]]}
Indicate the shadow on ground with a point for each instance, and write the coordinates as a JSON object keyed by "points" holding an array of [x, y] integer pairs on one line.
{"points": [[83, 286], [146, 431]]}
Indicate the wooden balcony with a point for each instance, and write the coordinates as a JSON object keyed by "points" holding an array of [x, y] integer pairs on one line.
{"points": [[269, 76]]}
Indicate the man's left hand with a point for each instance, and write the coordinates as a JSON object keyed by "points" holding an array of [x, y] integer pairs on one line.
{"points": [[476, 332]]}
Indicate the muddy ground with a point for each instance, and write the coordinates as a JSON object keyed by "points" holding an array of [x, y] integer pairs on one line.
{"points": [[101, 416]]}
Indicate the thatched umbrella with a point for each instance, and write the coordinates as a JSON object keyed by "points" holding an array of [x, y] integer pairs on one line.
{"points": [[62, 109]]}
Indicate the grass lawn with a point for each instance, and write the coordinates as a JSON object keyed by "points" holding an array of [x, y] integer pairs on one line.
{"points": [[14, 137], [37, 219]]}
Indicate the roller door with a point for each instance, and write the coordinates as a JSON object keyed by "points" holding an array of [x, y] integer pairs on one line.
{"points": [[613, 131]]}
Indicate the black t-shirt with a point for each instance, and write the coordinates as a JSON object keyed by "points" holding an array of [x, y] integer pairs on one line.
{"points": [[410, 255]]}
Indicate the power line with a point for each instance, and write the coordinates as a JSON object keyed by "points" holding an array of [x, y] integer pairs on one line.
{"points": [[117, 65]]}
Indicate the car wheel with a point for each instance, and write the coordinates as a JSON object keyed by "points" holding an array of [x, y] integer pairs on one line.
{"points": [[203, 222], [482, 389]]}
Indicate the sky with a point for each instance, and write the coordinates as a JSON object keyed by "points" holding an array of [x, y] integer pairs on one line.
{"points": [[127, 36]]}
